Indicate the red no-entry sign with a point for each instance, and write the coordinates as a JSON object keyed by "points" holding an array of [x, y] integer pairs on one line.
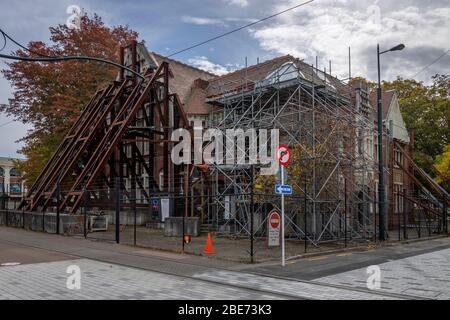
{"points": [[275, 220], [273, 231]]}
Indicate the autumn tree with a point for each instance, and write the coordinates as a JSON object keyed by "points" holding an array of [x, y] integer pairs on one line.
{"points": [[50, 95], [442, 166]]}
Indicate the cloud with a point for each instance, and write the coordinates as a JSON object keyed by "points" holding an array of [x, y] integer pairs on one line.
{"points": [[326, 29], [204, 64], [202, 21], [239, 3], [247, 20]]}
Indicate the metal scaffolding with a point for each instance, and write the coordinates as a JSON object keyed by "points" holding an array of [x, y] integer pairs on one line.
{"points": [[316, 115]]}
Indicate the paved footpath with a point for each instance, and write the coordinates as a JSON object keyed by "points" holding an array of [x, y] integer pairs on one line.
{"points": [[426, 275], [105, 281], [110, 271]]}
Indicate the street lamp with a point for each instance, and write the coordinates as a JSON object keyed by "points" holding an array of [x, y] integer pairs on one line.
{"points": [[381, 188]]}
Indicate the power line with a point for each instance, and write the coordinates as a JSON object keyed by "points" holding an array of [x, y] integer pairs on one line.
{"points": [[435, 61], [5, 35], [4, 39], [67, 58], [240, 28]]}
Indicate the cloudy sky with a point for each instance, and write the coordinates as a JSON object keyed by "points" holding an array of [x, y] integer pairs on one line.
{"points": [[324, 28]]}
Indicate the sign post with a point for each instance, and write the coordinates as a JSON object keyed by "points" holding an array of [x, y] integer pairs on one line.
{"points": [[284, 157]]}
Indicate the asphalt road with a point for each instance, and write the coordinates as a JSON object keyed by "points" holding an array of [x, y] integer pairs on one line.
{"points": [[331, 264]]}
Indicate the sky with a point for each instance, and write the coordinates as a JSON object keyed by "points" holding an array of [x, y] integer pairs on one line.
{"points": [[324, 29]]}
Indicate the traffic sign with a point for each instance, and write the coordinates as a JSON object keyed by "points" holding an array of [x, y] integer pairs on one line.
{"points": [[283, 189], [274, 225], [284, 155]]}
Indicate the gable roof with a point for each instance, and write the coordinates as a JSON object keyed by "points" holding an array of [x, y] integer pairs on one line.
{"points": [[246, 78], [183, 76], [233, 80], [387, 97]]}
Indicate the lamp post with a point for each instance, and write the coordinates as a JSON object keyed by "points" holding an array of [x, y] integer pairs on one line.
{"points": [[381, 188]]}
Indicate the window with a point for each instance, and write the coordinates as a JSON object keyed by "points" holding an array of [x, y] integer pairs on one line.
{"points": [[286, 72], [322, 76], [377, 153], [15, 188], [2, 172], [161, 180], [398, 157], [398, 199], [14, 173], [360, 142]]}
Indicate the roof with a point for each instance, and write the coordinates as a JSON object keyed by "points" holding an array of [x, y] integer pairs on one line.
{"points": [[231, 81], [9, 161], [184, 77], [247, 78], [387, 97]]}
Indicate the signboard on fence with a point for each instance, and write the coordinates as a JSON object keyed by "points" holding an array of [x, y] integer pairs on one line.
{"points": [[165, 209], [273, 229]]}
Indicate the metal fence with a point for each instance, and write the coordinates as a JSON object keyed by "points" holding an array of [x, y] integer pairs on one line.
{"points": [[176, 223]]}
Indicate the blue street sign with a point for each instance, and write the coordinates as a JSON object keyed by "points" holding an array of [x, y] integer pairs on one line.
{"points": [[279, 189]]}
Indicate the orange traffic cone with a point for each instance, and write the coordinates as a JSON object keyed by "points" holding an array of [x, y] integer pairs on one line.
{"points": [[209, 247]]}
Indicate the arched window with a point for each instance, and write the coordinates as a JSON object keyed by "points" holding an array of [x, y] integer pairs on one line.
{"points": [[2, 172], [14, 172]]}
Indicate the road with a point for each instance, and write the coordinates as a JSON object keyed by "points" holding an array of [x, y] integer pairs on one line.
{"points": [[36, 265]]}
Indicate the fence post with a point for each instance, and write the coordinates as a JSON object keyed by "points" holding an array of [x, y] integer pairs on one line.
{"points": [[84, 208], [405, 230], [420, 225], [134, 194], [306, 218], [398, 214], [252, 213], [23, 211], [135, 223], [7, 211], [57, 206], [375, 206], [345, 212], [444, 208], [43, 220], [117, 210], [184, 230]]}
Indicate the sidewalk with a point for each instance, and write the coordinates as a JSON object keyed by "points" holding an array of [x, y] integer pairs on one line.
{"points": [[226, 248], [78, 247]]}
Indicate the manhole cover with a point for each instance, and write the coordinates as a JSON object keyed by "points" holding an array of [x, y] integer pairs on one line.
{"points": [[9, 264]]}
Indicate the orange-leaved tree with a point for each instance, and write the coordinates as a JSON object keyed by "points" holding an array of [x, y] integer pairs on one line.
{"points": [[50, 95]]}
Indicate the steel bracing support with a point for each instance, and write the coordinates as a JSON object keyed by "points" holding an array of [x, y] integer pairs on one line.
{"points": [[118, 134]]}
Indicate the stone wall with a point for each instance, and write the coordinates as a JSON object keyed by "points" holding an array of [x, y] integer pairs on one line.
{"points": [[68, 224], [173, 226], [127, 217]]}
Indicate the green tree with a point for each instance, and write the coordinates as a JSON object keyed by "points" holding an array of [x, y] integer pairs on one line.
{"points": [[49, 96], [426, 110]]}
